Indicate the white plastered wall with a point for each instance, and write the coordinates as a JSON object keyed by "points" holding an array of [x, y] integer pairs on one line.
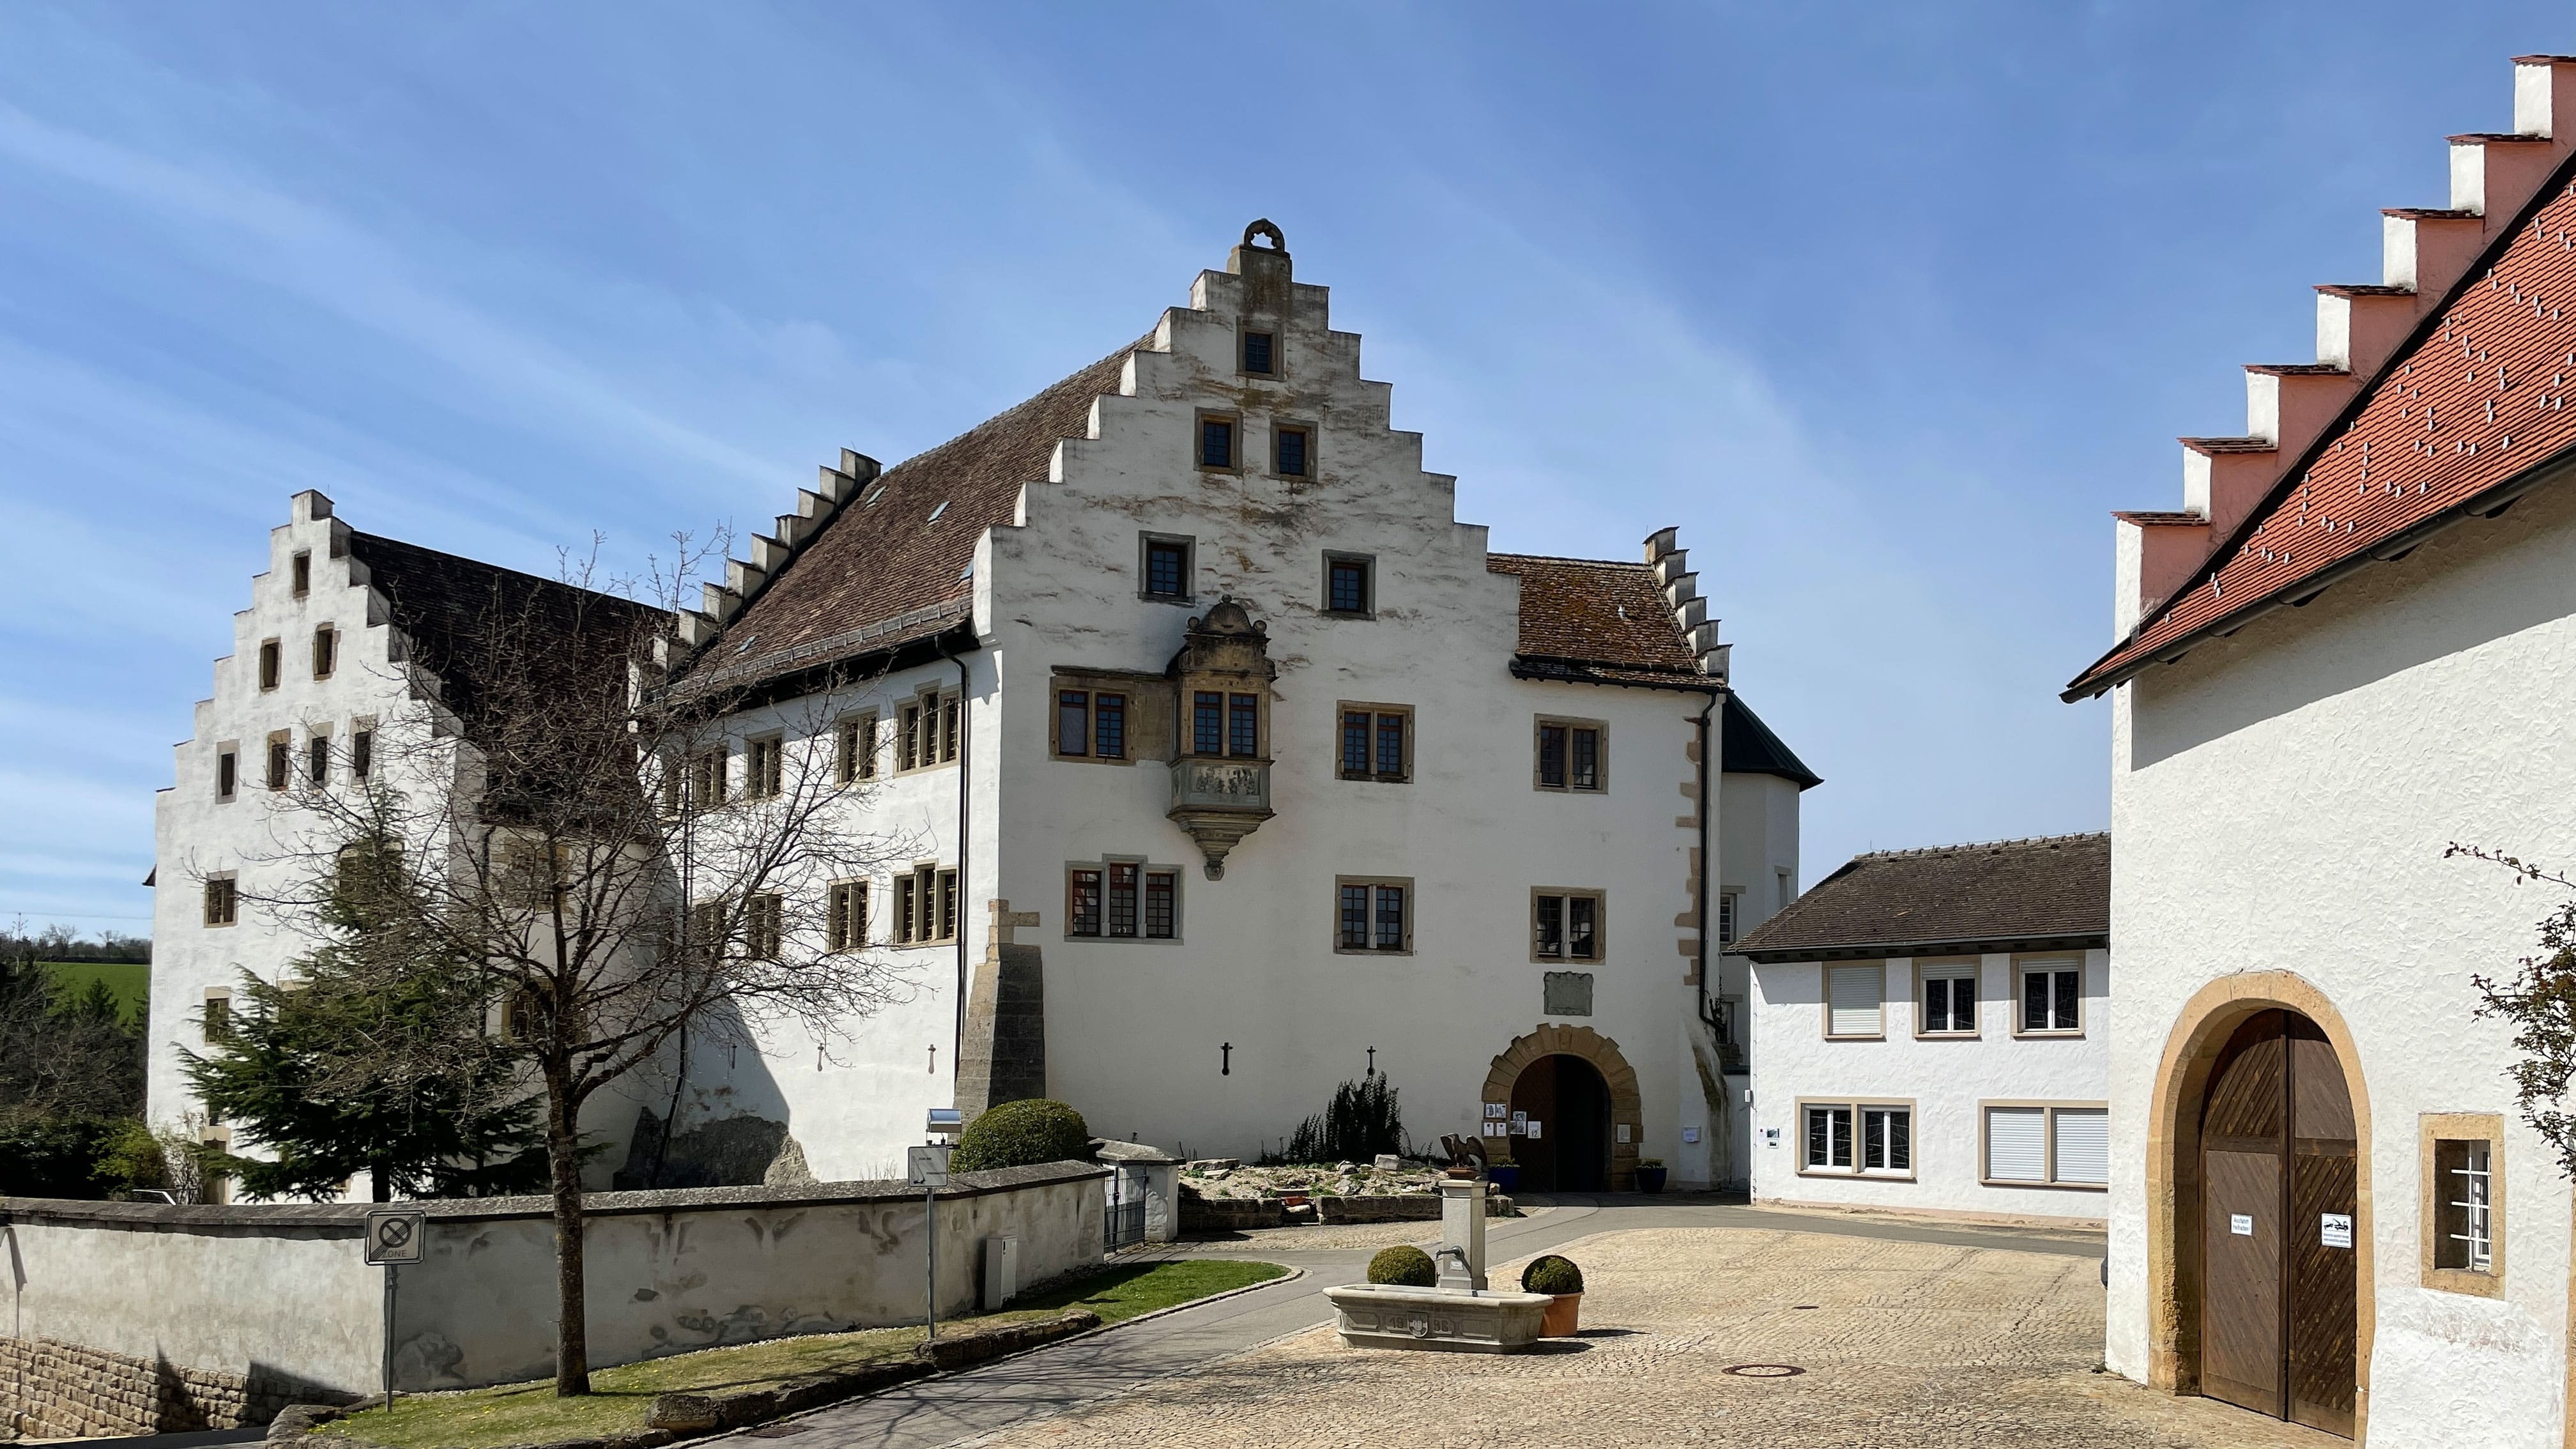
{"points": [[2282, 801]]}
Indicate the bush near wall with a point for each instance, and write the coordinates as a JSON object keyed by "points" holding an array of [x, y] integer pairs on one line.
{"points": [[1022, 1134]]}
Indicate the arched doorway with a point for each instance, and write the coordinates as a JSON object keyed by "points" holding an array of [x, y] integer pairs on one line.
{"points": [[1581, 1068], [2277, 1214], [1565, 1106]]}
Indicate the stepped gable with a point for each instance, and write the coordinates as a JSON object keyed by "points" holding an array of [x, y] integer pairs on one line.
{"points": [[1599, 622], [2052, 891], [446, 605], [887, 560], [2469, 346]]}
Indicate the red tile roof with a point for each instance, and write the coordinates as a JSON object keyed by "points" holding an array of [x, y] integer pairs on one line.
{"points": [[2468, 412]]}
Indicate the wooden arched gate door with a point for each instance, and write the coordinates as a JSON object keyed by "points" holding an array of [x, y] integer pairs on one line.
{"points": [[2278, 1330]]}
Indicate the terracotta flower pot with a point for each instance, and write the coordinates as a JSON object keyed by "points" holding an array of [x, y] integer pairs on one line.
{"points": [[1560, 1320]]}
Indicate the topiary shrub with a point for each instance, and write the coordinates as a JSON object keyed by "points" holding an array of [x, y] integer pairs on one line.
{"points": [[1551, 1274], [1020, 1134], [1403, 1267]]}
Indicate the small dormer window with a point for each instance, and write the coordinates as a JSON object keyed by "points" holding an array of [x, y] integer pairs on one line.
{"points": [[303, 574], [1260, 353]]}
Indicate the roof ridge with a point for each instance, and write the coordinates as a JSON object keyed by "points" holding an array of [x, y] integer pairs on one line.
{"points": [[2015, 842], [1601, 563], [488, 566]]}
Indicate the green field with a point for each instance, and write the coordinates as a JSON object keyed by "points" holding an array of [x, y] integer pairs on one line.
{"points": [[130, 980]]}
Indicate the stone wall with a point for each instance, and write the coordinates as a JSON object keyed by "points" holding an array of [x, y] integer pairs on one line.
{"points": [[51, 1390]]}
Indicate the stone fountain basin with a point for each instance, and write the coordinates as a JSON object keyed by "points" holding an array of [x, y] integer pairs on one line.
{"points": [[1382, 1315]]}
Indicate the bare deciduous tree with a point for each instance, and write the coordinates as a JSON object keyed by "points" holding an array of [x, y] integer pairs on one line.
{"points": [[625, 863], [2540, 1000]]}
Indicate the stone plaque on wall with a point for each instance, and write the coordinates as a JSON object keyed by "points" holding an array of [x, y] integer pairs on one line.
{"points": [[1569, 993]]}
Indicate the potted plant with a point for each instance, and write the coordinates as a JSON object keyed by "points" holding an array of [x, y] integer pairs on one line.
{"points": [[1562, 1282], [1650, 1174]]}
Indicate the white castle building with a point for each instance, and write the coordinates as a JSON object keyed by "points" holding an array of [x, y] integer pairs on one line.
{"points": [[1235, 765]]}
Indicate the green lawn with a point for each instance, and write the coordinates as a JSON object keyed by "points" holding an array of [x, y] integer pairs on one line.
{"points": [[130, 980], [531, 1414]]}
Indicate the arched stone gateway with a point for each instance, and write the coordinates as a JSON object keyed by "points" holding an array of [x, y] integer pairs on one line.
{"points": [[1531, 1071], [2260, 1069]]}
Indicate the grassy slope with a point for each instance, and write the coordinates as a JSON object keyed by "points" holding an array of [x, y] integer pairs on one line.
{"points": [[531, 1414], [130, 980]]}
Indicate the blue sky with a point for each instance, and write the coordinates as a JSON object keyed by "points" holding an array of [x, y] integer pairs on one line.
{"points": [[1885, 306]]}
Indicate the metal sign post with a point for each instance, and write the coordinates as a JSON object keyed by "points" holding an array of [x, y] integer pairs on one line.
{"points": [[394, 1237], [927, 1169]]}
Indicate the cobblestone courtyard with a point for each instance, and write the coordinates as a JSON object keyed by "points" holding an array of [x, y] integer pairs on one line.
{"points": [[1902, 1344]]}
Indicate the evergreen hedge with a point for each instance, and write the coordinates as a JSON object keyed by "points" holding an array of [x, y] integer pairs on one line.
{"points": [[1404, 1266], [1022, 1134]]}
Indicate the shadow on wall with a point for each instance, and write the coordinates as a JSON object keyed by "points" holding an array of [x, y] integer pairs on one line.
{"points": [[2477, 583], [722, 1120]]}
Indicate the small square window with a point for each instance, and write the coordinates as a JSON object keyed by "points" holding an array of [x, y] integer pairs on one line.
{"points": [[1374, 916], [1167, 568], [1289, 451], [1569, 755], [1376, 743], [1348, 587], [1216, 442], [223, 900], [1565, 925], [1947, 1000], [1261, 353], [2052, 997]]}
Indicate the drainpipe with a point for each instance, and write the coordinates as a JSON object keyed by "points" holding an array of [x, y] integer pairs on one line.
{"points": [[1707, 863], [965, 755]]}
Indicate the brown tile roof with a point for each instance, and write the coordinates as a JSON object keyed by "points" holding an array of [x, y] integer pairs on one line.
{"points": [[1597, 621], [2055, 890], [898, 554], [2472, 409], [448, 606]]}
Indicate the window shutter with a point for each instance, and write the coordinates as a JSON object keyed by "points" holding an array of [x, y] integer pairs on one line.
{"points": [[2083, 1145], [1853, 993], [2016, 1144]]}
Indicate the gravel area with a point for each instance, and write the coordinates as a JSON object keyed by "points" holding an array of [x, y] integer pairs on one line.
{"points": [[1901, 1344]]}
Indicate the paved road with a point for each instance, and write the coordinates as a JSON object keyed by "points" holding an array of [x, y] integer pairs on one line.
{"points": [[947, 1410]]}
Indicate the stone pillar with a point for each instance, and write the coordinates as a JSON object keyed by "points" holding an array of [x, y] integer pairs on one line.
{"points": [[1462, 1227], [1003, 1058]]}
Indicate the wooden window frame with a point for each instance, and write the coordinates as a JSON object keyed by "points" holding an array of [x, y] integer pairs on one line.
{"points": [[1373, 884], [764, 766], [1949, 968], [317, 756], [845, 915], [1105, 868], [1825, 985], [1234, 440], [221, 898], [1367, 563], [1378, 715], [927, 725], [764, 926], [710, 778], [1730, 917], [925, 900], [2022, 966], [1311, 433], [1857, 1106], [1089, 752], [1540, 724], [1146, 543], [228, 762], [2437, 1127], [854, 748], [1600, 924], [215, 1015], [2050, 1107], [280, 762], [1243, 351], [272, 664]]}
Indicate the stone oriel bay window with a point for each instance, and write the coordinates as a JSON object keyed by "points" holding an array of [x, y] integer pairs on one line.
{"points": [[1945, 998], [1376, 742], [1122, 900], [1373, 914], [2461, 1201], [1571, 755], [1856, 1137], [1565, 925]]}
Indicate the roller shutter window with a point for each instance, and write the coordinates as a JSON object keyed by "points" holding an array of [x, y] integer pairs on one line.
{"points": [[1854, 997], [2083, 1142], [2017, 1144]]}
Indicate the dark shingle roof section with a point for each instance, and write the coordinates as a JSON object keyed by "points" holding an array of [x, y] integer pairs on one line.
{"points": [[901, 550], [1747, 747], [1591, 621], [2010, 894], [448, 606]]}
